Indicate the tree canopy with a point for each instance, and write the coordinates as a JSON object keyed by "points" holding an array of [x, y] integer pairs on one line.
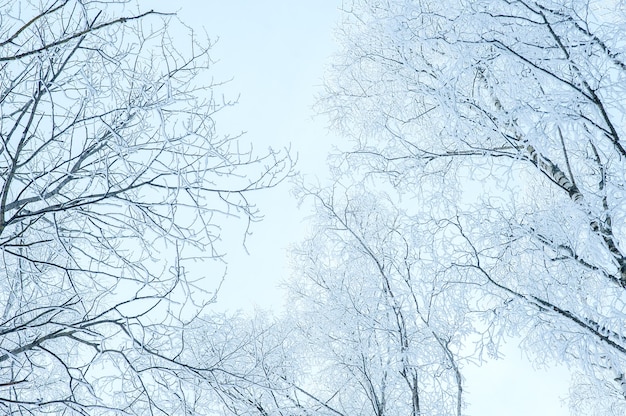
{"points": [[113, 180], [500, 126]]}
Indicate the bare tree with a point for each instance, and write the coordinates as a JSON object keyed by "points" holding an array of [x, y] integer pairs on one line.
{"points": [[375, 310], [263, 365], [368, 330], [503, 120], [113, 182]]}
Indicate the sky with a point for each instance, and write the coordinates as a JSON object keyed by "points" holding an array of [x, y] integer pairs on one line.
{"points": [[276, 52]]}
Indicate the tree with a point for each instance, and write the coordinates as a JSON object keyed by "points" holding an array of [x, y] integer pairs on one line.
{"points": [[502, 123], [114, 182], [366, 332], [376, 311], [369, 329], [262, 365]]}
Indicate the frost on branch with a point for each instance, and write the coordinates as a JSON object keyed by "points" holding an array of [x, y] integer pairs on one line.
{"points": [[113, 182], [503, 122]]}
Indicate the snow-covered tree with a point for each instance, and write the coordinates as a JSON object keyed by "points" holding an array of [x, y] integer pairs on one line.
{"points": [[375, 311], [501, 124], [369, 329], [113, 181]]}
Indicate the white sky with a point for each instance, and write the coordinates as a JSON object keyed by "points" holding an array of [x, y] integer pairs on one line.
{"points": [[276, 51]]}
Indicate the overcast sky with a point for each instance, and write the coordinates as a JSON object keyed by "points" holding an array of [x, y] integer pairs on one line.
{"points": [[275, 51]]}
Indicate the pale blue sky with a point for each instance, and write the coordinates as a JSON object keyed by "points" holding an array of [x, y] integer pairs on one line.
{"points": [[275, 52]]}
